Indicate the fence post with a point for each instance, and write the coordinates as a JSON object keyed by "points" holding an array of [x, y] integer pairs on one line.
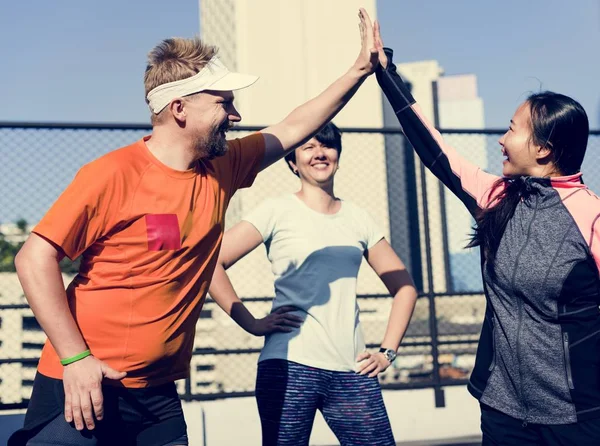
{"points": [[412, 204], [437, 387], [443, 215], [187, 395]]}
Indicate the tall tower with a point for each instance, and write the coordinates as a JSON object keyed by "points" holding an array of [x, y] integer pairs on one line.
{"points": [[298, 48]]}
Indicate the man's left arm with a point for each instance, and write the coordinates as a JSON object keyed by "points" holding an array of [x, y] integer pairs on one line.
{"points": [[306, 120]]}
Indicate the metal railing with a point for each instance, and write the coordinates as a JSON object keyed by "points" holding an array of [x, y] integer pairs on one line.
{"points": [[425, 224]]}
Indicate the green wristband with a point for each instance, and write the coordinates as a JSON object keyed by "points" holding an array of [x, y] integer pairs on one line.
{"points": [[76, 358]]}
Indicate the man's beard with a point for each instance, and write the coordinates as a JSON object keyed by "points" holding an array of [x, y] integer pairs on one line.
{"points": [[213, 145]]}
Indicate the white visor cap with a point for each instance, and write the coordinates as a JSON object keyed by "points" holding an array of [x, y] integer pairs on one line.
{"points": [[214, 76]]}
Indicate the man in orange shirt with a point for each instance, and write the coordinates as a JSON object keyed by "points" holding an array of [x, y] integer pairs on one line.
{"points": [[147, 220]]}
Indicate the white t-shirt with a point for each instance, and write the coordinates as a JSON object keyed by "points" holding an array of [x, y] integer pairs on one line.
{"points": [[315, 259]]}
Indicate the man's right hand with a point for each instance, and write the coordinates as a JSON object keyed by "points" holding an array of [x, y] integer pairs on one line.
{"points": [[83, 390]]}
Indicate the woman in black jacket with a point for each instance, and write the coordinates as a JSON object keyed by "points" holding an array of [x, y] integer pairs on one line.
{"points": [[537, 372]]}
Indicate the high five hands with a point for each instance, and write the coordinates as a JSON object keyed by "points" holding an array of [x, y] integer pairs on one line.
{"points": [[368, 58], [371, 51]]}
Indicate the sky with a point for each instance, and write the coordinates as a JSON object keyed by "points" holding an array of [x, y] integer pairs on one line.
{"points": [[83, 61]]}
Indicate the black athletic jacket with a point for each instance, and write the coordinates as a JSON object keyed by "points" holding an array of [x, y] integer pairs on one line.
{"points": [[538, 358]]}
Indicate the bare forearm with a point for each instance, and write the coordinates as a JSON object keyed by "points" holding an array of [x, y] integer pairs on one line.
{"points": [[400, 315], [304, 121], [44, 289], [222, 292], [311, 116]]}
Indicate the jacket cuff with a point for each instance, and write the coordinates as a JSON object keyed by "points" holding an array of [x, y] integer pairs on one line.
{"points": [[393, 86]]}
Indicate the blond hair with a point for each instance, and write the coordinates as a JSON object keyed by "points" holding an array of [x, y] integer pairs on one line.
{"points": [[175, 59]]}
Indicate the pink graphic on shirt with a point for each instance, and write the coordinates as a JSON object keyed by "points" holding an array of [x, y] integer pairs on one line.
{"points": [[163, 232]]}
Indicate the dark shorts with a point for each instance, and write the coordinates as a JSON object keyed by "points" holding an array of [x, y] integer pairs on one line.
{"points": [[500, 429], [150, 416]]}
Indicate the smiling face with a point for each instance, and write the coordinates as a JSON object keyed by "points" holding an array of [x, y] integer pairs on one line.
{"points": [[316, 163], [208, 116], [521, 155]]}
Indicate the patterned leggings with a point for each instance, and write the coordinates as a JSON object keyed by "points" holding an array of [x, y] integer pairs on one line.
{"points": [[288, 395]]}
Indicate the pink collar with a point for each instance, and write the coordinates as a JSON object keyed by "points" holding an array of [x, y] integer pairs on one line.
{"points": [[568, 181]]}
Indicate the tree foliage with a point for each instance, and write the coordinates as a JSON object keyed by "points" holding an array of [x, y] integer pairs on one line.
{"points": [[9, 250]]}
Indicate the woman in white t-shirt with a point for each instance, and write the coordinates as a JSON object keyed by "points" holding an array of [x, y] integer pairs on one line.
{"points": [[314, 355]]}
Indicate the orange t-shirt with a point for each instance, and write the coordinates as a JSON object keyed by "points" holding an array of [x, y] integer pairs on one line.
{"points": [[150, 237]]}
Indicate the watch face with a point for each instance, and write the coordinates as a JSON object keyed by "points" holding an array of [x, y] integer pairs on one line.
{"points": [[390, 355]]}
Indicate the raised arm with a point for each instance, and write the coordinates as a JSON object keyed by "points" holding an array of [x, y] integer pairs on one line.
{"points": [[388, 266], [467, 181], [239, 241], [306, 120]]}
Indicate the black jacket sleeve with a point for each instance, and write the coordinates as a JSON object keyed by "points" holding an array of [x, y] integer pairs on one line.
{"points": [[425, 144]]}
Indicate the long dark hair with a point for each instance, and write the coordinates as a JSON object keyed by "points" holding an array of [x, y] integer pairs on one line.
{"points": [[558, 123]]}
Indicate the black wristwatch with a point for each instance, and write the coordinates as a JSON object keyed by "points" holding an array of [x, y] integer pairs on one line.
{"points": [[389, 354]]}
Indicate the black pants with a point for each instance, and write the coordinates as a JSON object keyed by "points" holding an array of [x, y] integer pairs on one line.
{"points": [[500, 429], [150, 416]]}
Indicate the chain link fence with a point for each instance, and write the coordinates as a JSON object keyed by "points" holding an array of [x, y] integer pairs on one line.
{"points": [[427, 226]]}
